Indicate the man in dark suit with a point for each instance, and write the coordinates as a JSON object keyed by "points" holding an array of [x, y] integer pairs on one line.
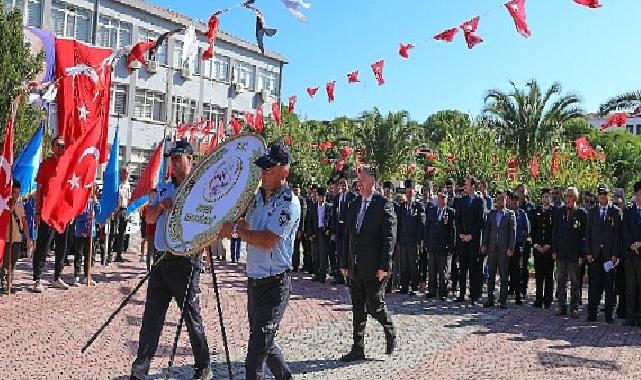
{"points": [[319, 235], [499, 241], [470, 216], [300, 234], [310, 202], [632, 247], [542, 227], [367, 254], [526, 246], [454, 266], [568, 245], [603, 243], [411, 223], [339, 214], [440, 240]]}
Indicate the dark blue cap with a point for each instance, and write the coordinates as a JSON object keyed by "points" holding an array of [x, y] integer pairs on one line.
{"points": [[180, 147], [277, 155]]}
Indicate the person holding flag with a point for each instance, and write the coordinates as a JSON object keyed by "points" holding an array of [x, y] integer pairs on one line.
{"points": [[15, 234], [84, 231]]}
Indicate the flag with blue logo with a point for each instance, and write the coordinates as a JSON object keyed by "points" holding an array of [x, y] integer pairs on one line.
{"points": [[25, 168]]}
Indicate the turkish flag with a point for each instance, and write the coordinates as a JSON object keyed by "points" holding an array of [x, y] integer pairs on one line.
{"points": [[469, 30], [6, 162], [83, 92], [259, 124], [70, 187], [235, 125], [615, 119], [137, 53], [353, 77], [589, 3], [276, 113], [211, 35], [534, 167], [377, 68], [330, 90], [312, 91], [517, 11], [447, 35], [249, 119], [292, 104], [583, 148], [404, 50]]}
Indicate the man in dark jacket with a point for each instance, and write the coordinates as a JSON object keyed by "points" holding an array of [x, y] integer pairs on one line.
{"points": [[367, 254], [339, 214], [470, 217], [301, 229], [411, 223], [440, 240], [568, 245], [632, 248], [603, 244], [318, 232], [542, 227]]}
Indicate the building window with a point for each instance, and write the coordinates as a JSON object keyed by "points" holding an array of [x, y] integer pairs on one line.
{"points": [[118, 100], [213, 112], [113, 33], [160, 54], [268, 80], [246, 75], [70, 21], [184, 110], [218, 69], [630, 128], [638, 129], [33, 8], [149, 105], [178, 54]]}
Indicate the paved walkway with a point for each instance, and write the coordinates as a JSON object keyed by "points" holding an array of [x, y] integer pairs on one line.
{"points": [[41, 335]]}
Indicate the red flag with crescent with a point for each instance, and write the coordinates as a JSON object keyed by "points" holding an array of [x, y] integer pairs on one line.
{"points": [[6, 175], [312, 91], [469, 30], [377, 68], [70, 187], [404, 50], [446, 35], [278, 119], [589, 3], [235, 125], [517, 11], [292, 104], [330, 91], [353, 77]]}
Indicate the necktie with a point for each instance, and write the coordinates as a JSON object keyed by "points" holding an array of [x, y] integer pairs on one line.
{"points": [[603, 213], [361, 215], [440, 214]]}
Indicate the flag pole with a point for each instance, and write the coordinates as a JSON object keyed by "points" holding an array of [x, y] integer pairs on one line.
{"points": [[91, 224], [10, 272]]}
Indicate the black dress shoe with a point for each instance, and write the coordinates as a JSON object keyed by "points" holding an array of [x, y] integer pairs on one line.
{"points": [[609, 319], [518, 301], [460, 299], [488, 304], [503, 306], [353, 356], [390, 344], [547, 306], [403, 291], [537, 304], [443, 298], [574, 314]]}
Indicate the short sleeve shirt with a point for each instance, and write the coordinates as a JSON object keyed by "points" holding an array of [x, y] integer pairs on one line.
{"points": [[46, 173], [280, 215], [166, 190]]}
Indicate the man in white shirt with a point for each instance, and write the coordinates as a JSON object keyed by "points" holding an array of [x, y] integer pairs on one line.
{"points": [[119, 223]]}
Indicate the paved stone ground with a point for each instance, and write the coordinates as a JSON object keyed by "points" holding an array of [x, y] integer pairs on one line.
{"points": [[41, 335]]}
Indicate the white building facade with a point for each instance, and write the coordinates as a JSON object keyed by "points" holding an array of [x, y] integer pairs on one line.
{"points": [[149, 102], [633, 124]]}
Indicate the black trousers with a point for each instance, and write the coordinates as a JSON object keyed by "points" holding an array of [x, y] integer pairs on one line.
{"points": [[43, 245], [296, 255], [544, 273], [599, 282], [470, 262], [454, 270], [633, 286], [526, 252], [121, 236], [170, 279], [437, 274], [80, 252], [307, 254], [582, 272], [13, 250], [368, 297], [423, 268], [619, 285], [267, 300], [320, 252], [408, 255], [515, 262]]}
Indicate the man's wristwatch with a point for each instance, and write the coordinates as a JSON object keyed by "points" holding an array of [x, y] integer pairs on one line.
{"points": [[234, 231]]}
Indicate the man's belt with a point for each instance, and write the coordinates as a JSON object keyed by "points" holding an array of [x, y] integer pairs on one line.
{"points": [[256, 282]]}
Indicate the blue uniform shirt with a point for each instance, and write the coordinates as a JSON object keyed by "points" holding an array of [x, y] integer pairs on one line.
{"points": [[522, 225], [280, 215], [166, 190]]}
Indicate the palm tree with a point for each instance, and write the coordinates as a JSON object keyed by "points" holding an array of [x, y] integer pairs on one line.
{"points": [[527, 120], [625, 100]]}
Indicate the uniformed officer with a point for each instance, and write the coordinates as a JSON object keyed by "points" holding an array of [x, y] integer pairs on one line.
{"points": [[470, 218], [439, 241], [541, 233], [172, 277], [568, 245], [319, 235], [411, 223], [603, 244], [632, 248], [517, 259], [269, 229]]}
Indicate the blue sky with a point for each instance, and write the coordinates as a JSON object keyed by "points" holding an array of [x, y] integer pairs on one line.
{"points": [[591, 52]]}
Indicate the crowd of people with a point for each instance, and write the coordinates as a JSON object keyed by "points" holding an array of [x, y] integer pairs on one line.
{"points": [[455, 234]]}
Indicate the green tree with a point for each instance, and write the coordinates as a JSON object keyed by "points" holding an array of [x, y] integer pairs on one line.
{"points": [[624, 100], [528, 120], [438, 125], [17, 67]]}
